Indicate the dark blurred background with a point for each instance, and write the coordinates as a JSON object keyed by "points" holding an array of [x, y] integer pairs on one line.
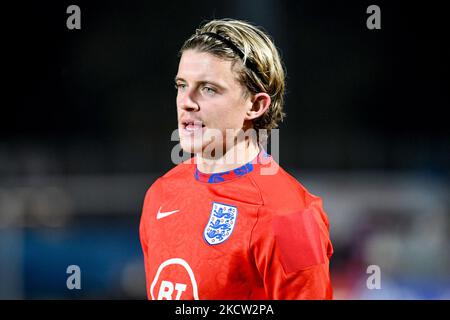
{"points": [[87, 115]]}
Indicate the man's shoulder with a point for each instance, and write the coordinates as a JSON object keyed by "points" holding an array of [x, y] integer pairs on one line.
{"points": [[295, 217], [282, 191], [181, 171]]}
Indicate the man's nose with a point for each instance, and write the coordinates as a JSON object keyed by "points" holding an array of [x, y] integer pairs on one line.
{"points": [[187, 102]]}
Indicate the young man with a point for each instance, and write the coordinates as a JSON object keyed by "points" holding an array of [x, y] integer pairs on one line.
{"points": [[230, 223]]}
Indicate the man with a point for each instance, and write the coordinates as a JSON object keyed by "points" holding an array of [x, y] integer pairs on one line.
{"points": [[230, 223]]}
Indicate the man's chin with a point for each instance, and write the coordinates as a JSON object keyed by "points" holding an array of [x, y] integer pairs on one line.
{"points": [[191, 145]]}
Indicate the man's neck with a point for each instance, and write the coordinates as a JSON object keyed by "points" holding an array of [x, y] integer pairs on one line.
{"points": [[234, 157]]}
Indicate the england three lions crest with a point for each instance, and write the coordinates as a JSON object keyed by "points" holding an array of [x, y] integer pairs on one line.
{"points": [[222, 220]]}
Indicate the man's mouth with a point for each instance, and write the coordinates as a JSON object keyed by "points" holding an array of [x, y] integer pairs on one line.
{"points": [[191, 126]]}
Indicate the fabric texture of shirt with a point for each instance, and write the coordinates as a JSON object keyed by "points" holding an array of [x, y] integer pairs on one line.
{"points": [[250, 233]]}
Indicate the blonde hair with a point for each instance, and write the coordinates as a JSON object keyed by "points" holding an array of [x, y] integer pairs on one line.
{"points": [[266, 73]]}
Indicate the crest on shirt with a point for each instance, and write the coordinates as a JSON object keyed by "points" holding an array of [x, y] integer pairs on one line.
{"points": [[222, 220]]}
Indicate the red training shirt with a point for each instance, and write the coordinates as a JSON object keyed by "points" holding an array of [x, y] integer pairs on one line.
{"points": [[250, 233]]}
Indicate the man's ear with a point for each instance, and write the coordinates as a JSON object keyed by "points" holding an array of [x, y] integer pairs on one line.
{"points": [[260, 103]]}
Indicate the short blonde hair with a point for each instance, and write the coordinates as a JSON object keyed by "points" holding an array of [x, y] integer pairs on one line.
{"points": [[266, 73]]}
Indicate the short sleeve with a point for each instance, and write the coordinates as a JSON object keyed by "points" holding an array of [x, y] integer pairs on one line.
{"points": [[291, 252]]}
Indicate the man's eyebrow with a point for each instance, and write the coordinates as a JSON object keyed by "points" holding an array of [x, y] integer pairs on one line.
{"points": [[203, 82]]}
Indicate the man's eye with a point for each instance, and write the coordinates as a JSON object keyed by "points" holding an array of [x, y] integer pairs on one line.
{"points": [[209, 90], [180, 86]]}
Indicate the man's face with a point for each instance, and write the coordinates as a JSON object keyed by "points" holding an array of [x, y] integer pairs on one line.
{"points": [[209, 100]]}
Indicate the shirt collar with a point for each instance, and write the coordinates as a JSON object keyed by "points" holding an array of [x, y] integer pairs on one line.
{"points": [[243, 170]]}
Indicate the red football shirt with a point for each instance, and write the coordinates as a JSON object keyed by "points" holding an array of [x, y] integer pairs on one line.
{"points": [[250, 233]]}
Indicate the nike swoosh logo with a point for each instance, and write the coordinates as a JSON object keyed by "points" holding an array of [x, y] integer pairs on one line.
{"points": [[161, 215]]}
